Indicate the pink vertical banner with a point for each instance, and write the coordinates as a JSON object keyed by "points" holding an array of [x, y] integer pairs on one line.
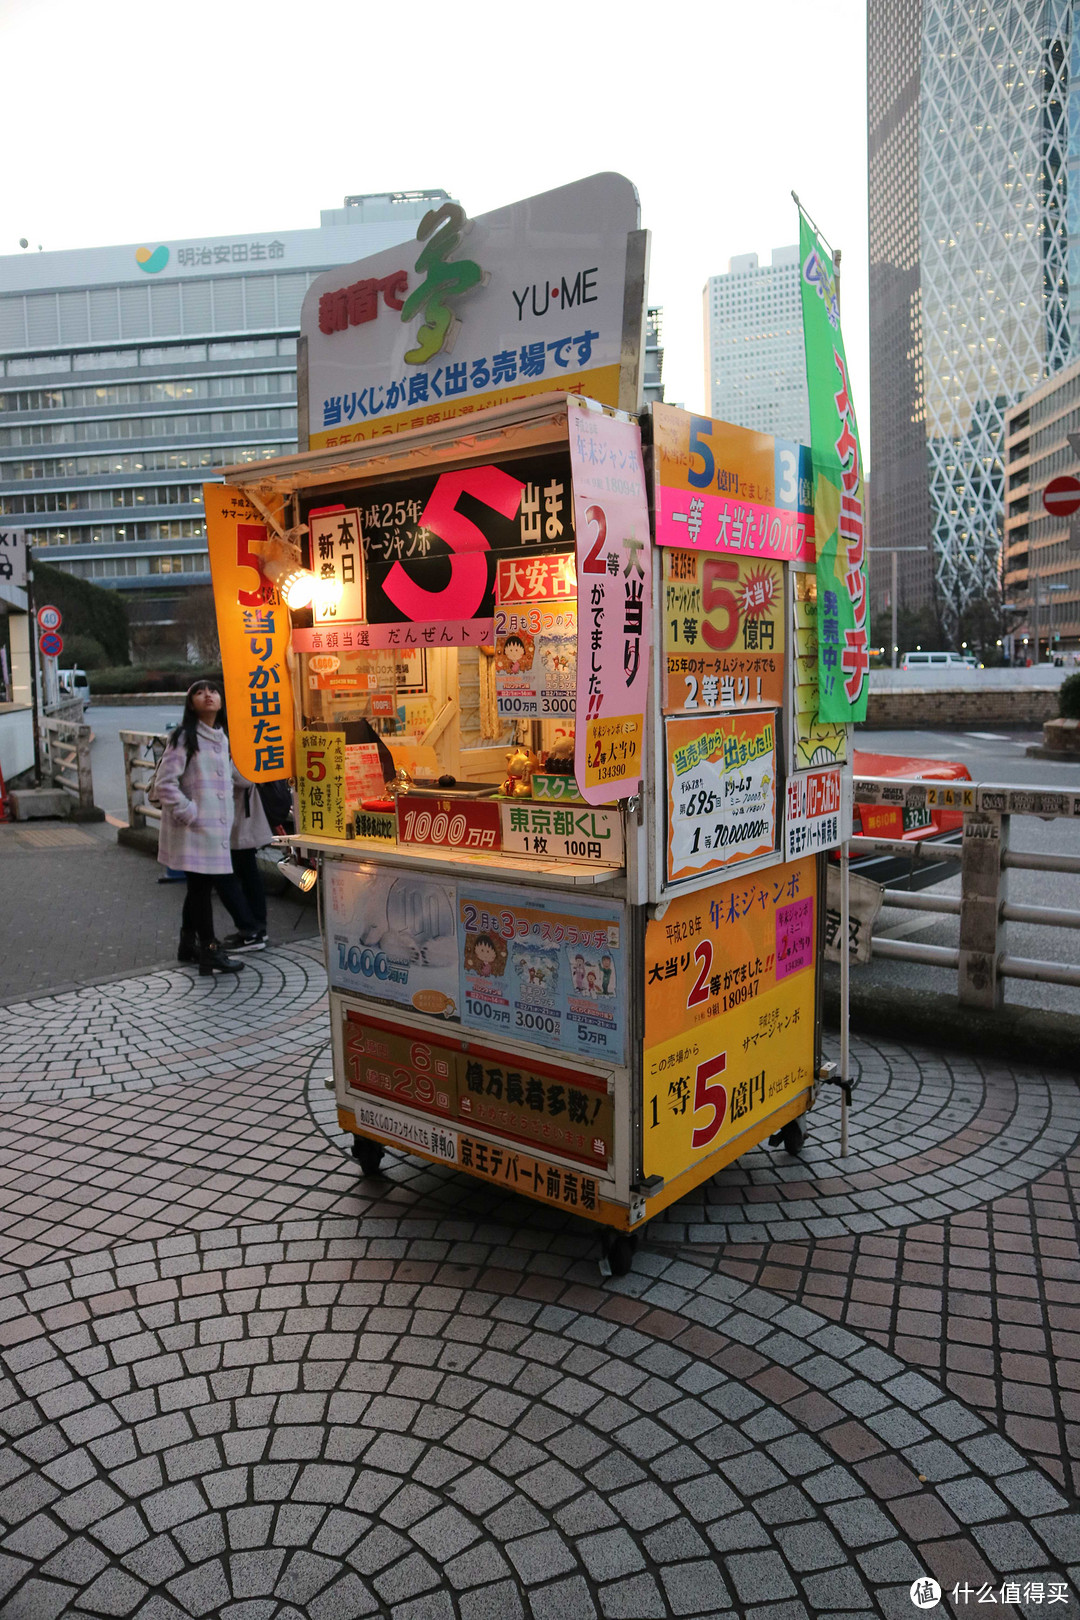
{"points": [[614, 585]]}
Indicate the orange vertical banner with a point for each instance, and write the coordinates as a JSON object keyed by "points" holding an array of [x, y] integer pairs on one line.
{"points": [[253, 630]]}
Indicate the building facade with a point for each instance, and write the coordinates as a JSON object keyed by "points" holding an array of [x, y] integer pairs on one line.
{"points": [[755, 362], [974, 238], [1041, 563], [129, 375]]}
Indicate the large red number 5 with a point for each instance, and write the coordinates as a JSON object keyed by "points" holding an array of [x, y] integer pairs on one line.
{"points": [[245, 533], [714, 596], [468, 565], [706, 1096]]}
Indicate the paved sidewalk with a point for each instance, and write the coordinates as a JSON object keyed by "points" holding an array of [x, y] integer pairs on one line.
{"points": [[242, 1382], [78, 907]]}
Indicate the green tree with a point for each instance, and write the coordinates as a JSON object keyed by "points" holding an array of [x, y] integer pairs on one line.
{"points": [[88, 610]]}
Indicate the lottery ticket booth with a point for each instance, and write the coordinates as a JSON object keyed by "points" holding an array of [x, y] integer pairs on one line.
{"points": [[556, 759]]}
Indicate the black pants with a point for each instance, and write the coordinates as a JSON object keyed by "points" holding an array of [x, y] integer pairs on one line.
{"points": [[245, 863], [198, 913]]}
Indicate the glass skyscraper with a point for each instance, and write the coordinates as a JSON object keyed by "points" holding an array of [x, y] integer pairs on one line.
{"points": [[974, 229]]}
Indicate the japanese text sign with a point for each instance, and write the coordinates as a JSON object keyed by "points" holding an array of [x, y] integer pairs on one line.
{"points": [[320, 781], [543, 973], [433, 544], [253, 632], [839, 515], [726, 488], [817, 812], [562, 832], [614, 571], [569, 1113], [337, 561], [723, 628], [525, 300], [729, 1012], [721, 791]]}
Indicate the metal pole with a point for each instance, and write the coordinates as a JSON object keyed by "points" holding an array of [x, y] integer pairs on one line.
{"points": [[845, 989], [1038, 619], [894, 610]]}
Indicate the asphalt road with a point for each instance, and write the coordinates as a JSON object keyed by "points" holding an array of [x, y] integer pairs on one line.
{"points": [[107, 751], [991, 756]]}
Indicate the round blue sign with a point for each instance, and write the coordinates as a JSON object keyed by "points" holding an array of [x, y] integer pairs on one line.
{"points": [[51, 644]]}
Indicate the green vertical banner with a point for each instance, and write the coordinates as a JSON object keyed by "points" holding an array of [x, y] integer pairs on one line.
{"points": [[843, 653]]}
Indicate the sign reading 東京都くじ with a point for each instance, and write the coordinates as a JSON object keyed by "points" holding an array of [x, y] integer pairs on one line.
{"points": [[526, 300]]}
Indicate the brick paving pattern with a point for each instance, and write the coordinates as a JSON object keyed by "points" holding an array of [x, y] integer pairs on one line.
{"points": [[238, 1380]]}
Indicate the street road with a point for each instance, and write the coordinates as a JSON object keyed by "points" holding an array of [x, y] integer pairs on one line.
{"points": [[990, 756], [107, 751]]}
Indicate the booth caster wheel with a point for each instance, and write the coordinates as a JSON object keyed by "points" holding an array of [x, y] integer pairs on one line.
{"points": [[368, 1155], [791, 1137], [619, 1251]]}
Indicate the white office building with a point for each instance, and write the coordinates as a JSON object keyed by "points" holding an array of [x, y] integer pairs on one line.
{"points": [[129, 375], [755, 367]]}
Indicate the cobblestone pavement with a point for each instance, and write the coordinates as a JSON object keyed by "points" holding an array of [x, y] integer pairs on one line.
{"points": [[241, 1382]]}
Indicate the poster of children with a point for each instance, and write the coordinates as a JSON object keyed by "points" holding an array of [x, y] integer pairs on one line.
{"points": [[393, 936], [543, 973], [536, 660]]}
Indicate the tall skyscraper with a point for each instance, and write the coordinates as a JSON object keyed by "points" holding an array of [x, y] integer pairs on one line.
{"points": [[970, 247], [128, 375], [755, 366]]}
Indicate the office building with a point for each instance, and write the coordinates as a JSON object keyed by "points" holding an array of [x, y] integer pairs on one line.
{"points": [[970, 246], [1041, 563], [755, 363], [131, 374], [653, 372]]}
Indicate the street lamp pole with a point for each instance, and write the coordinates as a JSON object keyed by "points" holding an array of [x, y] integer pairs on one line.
{"points": [[894, 552]]}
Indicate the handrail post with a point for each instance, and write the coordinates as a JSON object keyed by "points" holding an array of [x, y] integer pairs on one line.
{"points": [[983, 892]]}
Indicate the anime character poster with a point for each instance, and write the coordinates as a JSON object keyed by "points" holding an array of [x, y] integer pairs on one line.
{"points": [[549, 971]]}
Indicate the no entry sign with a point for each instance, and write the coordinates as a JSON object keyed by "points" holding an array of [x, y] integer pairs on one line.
{"points": [[1061, 497]]}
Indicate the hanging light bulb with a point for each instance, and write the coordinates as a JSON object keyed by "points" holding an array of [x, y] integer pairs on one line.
{"points": [[296, 584], [305, 877]]}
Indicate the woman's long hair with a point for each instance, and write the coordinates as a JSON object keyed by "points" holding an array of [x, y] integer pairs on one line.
{"points": [[188, 729]]}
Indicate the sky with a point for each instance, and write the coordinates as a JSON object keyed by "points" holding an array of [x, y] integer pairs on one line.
{"points": [[138, 123]]}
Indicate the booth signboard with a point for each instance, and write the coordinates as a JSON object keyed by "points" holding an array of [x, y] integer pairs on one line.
{"points": [[817, 812], [337, 559], [320, 783], [391, 936], [570, 832], [723, 630], [729, 1012], [253, 632], [614, 574], [529, 299], [721, 791], [542, 972], [726, 488]]}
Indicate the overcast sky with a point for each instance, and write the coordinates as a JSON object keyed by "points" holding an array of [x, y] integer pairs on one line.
{"points": [[136, 123]]}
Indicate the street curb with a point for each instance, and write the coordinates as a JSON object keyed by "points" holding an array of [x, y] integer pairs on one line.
{"points": [[1031, 1035]]}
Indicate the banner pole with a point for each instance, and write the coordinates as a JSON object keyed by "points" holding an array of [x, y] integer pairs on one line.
{"points": [[845, 990]]}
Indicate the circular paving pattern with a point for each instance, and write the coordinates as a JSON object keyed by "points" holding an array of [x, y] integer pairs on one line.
{"points": [[241, 1380]]}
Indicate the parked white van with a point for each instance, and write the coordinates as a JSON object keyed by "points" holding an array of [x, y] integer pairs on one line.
{"points": [[936, 660], [74, 683]]}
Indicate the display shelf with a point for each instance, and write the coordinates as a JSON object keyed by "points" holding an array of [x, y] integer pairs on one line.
{"points": [[541, 873]]}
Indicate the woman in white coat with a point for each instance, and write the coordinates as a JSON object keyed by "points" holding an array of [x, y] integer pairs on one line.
{"points": [[194, 786]]}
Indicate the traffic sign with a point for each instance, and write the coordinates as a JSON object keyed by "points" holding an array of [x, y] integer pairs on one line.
{"points": [[50, 618], [1061, 497], [51, 644]]}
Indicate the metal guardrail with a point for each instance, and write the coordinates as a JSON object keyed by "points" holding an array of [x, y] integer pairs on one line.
{"points": [[67, 759], [981, 960]]}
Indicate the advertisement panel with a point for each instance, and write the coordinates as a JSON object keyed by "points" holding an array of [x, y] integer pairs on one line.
{"points": [[392, 936], [729, 1012], [540, 1105], [536, 660], [320, 783], [526, 300], [253, 633], [816, 816], [723, 632], [614, 591], [547, 971], [566, 832], [721, 791], [813, 742], [726, 488]]}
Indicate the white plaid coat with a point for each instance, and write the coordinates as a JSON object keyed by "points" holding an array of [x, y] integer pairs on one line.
{"points": [[196, 797]]}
